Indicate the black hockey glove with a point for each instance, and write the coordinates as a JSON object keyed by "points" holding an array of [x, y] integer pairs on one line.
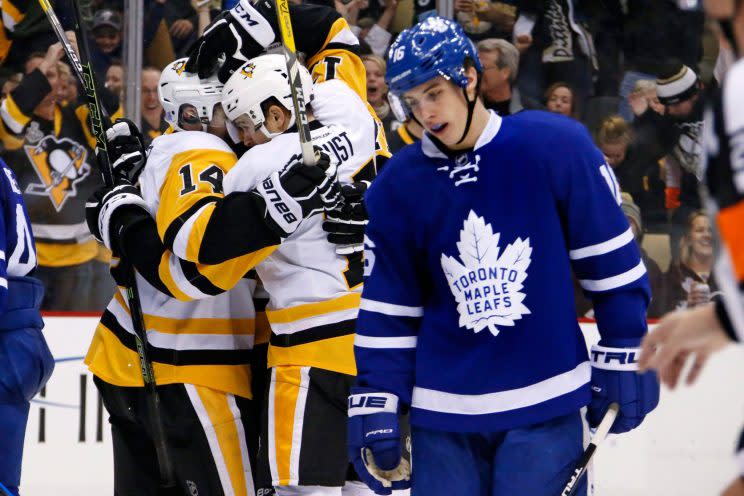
{"points": [[345, 225], [237, 35], [101, 207], [126, 149], [297, 192]]}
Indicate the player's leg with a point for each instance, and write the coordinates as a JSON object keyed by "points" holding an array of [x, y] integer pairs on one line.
{"points": [[26, 366], [12, 431], [537, 460], [303, 441], [446, 463], [209, 442], [135, 463]]}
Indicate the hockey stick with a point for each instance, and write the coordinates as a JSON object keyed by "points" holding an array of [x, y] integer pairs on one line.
{"points": [[298, 96], [97, 114], [586, 457]]}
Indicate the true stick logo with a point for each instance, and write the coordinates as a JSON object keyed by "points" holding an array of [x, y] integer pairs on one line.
{"points": [[488, 284], [572, 482]]}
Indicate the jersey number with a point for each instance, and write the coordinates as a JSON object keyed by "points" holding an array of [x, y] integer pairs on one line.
{"points": [[212, 175], [24, 244]]}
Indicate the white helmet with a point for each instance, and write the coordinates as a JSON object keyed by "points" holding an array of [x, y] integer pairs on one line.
{"points": [[258, 80], [178, 87]]}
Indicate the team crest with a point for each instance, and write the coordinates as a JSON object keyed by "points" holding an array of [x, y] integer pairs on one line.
{"points": [[247, 70], [179, 67], [487, 284], [60, 165]]}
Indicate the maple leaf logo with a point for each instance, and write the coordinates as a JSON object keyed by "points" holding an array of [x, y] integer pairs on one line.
{"points": [[487, 285]]}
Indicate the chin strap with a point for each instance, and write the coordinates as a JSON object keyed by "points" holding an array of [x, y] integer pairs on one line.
{"points": [[471, 106]]}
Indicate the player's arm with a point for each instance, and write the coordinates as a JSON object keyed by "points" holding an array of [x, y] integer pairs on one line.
{"points": [[387, 331], [18, 107], [607, 263]]}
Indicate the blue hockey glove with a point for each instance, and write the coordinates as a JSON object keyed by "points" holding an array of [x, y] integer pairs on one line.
{"points": [[615, 378], [374, 441]]}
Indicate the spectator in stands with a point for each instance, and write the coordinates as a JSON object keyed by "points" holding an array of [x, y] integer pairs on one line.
{"points": [[376, 32], [653, 32], [483, 19], [655, 276], [644, 97], [500, 62], [68, 88], [115, 78], [182, 21], [689, 281], [377, 89], [106, 30], [153, 118], [560, 99], [556, 44], [637, 173], [50, 149]]}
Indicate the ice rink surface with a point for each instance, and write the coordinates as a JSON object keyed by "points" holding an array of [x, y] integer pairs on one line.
{"points": [[684, 448]]}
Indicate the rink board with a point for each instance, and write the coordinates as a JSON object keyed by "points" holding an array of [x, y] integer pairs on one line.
{"points": [[684, 448]]}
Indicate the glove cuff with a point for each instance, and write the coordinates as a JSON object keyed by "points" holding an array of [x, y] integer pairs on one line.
{"points": [[281, 207], [364, 401], [253, 23], [113, 200], [616, 359]]}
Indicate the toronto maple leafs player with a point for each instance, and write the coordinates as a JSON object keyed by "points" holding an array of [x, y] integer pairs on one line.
{"points": [[467, 315], [25, 360]]}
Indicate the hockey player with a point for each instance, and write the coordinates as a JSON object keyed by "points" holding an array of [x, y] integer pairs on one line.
{"points": [[706, 330], [26, 360], [313, 290], [467, 317], [321, 35], [200, 349]]}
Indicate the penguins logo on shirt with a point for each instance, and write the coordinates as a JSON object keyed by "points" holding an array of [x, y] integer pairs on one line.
{"points": [[247, 70], [60, 165], [487, 284]]}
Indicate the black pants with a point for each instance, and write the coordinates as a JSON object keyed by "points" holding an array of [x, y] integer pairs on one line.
{"points": [[210, 435]]}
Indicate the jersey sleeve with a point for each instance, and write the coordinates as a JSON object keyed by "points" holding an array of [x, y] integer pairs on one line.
{"points": [[18, 107], [3, 251], [392, 301], [603, 253]]}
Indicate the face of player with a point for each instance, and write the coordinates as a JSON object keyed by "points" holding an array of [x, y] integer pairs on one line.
{"points": [[276, 120], [560, 101], [249, 133], [701, 237], [615, 152], [376, 87], [188, 118], [440, 106], [149, 85]]}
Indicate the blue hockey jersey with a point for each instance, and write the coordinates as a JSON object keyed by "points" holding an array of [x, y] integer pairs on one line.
{"points": [[467, 312], [17, 250]]}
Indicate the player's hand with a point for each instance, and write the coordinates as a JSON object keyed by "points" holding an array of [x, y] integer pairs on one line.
{"points": [[346, 224], [679, 335], [615, 378], [299, 191], [126, 150], [374, 441], [238, 34], [101, 207]]}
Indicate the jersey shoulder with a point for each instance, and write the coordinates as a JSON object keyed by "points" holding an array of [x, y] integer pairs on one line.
{"points": [[261, 161]]}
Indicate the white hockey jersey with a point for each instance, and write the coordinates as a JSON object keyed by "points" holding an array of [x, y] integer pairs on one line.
{"points": [[208, 341]]}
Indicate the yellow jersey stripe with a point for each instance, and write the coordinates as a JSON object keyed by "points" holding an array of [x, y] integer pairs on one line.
{"points": [[335, 354], [299, 312]]}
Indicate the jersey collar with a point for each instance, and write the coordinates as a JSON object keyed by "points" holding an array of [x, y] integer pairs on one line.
{"points": [[434, 149]]}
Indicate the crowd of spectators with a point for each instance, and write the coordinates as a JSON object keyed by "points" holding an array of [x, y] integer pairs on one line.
{"points": [[633, 71]]}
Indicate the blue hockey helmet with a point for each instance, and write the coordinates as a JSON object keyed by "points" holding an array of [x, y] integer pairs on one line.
{"points": [[434, 47]]}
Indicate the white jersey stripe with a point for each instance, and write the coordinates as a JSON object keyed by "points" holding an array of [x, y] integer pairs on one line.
{"points": [[214, 444], [2, 255], [271, 441], [312, 322], [615, 281], [391, 309], [181, 241], [299, 423], [248, 470], [182, 281], [377, 342], [4, 282], [602, 248], [502, 401]]}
